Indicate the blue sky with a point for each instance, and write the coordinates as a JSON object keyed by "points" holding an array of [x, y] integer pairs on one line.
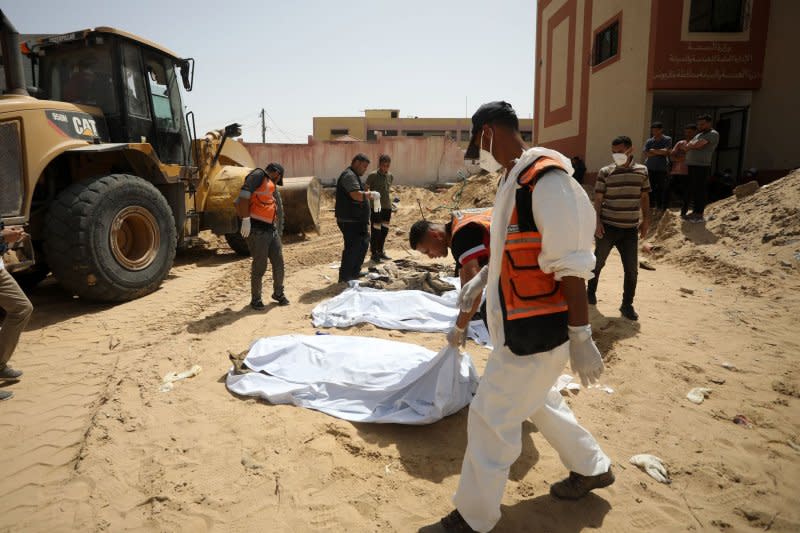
{"points": [[306, 58]]}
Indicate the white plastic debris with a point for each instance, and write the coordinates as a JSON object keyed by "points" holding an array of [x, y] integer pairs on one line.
{"points": [[729, 366], [653, 466], [172, 377], [698, 394]]}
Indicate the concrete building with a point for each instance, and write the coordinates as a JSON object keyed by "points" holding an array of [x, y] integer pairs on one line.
{"points": [[388, 123], [610, 67]]}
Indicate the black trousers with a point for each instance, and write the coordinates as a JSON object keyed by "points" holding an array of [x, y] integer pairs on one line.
{"points": [[698, 178], [356, 244], [686, 191], [379, 231], [659, 194], [626, 241]]}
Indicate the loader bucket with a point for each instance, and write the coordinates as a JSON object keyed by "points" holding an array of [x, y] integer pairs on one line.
{"points": [[301, 204]]}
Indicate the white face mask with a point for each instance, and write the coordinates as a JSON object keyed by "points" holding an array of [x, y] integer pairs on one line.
{"points": [[487, 160], [620, 159]]}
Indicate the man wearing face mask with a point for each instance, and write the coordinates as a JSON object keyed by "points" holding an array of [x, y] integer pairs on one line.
{"points": [[537, 313], [622, 192]]}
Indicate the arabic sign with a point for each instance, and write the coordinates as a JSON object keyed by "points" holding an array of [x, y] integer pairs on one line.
{"points": [[719, 64]]}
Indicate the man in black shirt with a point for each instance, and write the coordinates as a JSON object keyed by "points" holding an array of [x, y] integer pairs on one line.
{"points": [[352, 217], [469, 244]]}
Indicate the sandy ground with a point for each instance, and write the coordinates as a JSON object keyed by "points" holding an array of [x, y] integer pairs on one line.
{"points": [[89, 442]]}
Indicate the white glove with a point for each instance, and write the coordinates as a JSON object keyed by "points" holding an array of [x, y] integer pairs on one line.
{"points": [[375, 196], [473, 290], [653, 466], [584, 356], [457, 336], [245, 229]]}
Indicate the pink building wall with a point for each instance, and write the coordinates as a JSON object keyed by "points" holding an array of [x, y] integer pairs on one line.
{"points": [[415, 161]]}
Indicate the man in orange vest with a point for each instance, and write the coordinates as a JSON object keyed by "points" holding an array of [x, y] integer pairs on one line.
{"points": [[467, 237], [261, 210], [537, 312]]}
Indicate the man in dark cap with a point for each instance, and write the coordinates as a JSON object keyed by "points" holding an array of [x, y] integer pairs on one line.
{"points": [[261, 210], [353, 215], [541, 239]]}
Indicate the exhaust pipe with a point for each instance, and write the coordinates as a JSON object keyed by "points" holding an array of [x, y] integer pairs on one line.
{"points": [[12, 57]]}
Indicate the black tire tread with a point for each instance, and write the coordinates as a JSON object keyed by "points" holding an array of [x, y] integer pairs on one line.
{"points": [[67, 226]]}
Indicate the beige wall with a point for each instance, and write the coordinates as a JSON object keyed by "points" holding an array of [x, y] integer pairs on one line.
{"points": [[558, 72], [359, 126], [775, 111], [324, 125], [619, 102]]}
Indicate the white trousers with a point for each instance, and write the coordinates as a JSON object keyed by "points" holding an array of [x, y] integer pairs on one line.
{"points": [[511, 390]]}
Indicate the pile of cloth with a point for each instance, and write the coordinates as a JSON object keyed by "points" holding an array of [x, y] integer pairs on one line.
{"points": [[404, 274]]}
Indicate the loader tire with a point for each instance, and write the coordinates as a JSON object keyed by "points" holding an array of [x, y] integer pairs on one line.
{"points": [[238, 244], [110, 239]]}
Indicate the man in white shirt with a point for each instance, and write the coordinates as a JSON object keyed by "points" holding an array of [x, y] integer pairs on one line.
{"points": [[17, 307], [541, 255]]}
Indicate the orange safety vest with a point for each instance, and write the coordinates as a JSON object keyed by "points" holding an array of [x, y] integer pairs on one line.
{"points": [[262, 202], [534, 308], [461, 218]]}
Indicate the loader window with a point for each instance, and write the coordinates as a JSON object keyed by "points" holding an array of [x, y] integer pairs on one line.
{"points": [[79, 75], [172, 141], [133, 82]]}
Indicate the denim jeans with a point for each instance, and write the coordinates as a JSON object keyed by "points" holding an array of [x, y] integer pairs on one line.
{"points": [[626, 241]]}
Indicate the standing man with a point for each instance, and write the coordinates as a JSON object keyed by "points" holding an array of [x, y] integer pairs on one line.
{"points": [[353, 216], [580, 169], [541, 253], [680, 171], [699, 158], [622, 191], [380, 181], [657, 149], [467, 237], [17, 307], [261, 210]]}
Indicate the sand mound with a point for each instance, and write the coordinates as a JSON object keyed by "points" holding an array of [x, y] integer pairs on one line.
{"points": [[754, 240]]}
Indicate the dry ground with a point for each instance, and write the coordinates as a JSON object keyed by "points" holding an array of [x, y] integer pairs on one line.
{"points": [[89, 442]]}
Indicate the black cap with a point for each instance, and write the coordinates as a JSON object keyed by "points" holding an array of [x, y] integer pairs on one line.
{"points": [[485, 114], [275, 167]]}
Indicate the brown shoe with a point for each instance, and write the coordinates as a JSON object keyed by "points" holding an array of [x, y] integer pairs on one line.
{"points": [[577, 486]]}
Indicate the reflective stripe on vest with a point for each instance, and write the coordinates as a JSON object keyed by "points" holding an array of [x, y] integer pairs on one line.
{"points": [[527, 291], [262, 202]]}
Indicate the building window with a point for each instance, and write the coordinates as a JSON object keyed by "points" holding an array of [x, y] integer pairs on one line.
{"points": [[413, 133], [394, 114], [527, 136], [716, 16], [340, 132], [465, 135], [390, 133], [606, 43]]}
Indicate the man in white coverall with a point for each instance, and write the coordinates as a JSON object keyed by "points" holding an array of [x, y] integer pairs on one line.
{"points": [[542, 233]]}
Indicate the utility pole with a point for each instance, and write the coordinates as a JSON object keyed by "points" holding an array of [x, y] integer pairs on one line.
{"points": [[263, 127]]}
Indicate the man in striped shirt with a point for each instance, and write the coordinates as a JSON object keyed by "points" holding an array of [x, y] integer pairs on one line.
{"points": [[621, 200]]}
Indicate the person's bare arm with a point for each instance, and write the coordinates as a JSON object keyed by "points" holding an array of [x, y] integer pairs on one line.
{"points": [[645, 224], [242, 207], [359, 196], [469, 270], [696, 144], [574, 290], [598, 207], [658, 151]]}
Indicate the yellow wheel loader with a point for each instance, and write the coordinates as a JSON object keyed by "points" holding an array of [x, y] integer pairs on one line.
{"points": [[101, 165]]}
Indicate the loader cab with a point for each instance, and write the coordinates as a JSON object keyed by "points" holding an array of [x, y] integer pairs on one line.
{"points": [[135, 84]]}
